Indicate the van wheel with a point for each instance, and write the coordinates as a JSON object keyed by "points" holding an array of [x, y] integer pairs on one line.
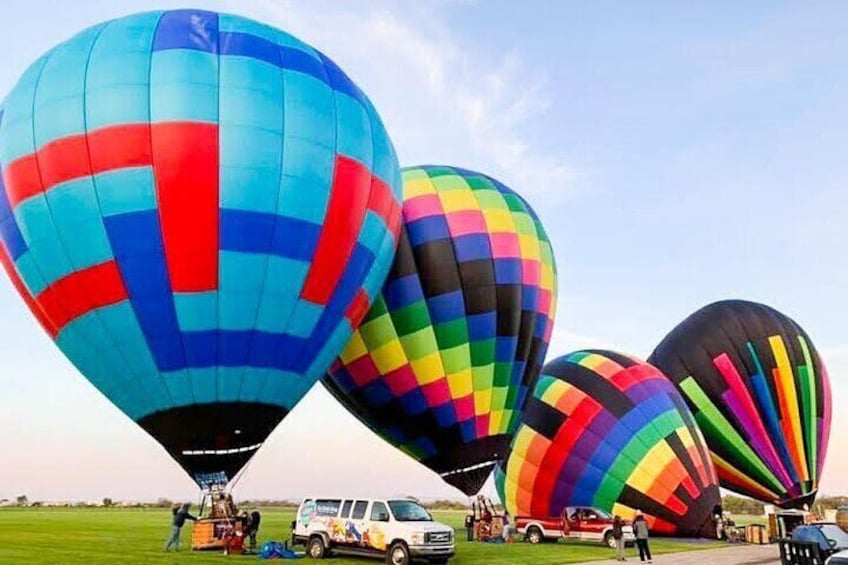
{"points": [[534, 535], [609, 540], [398, 554], [317, 549]]}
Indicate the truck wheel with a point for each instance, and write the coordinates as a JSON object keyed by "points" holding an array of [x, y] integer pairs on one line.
{"points": [[317, 549], [534, 535], [398, 554], [609, 540]]}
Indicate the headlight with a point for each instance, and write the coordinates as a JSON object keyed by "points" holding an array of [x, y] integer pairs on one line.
{"points": [[417, 538]]}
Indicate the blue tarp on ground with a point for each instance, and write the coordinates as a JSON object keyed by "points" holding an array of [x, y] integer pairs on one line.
{"points": [[276, 550]]}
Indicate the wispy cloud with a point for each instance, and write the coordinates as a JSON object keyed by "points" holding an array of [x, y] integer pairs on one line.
{"points": [[443, 100]]}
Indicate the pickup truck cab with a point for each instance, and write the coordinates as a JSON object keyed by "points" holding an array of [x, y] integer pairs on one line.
{"points": [[576, 522], [399, 530]]}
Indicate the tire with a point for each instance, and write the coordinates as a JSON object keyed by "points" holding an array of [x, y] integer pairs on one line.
{"points": [[609, 541], [534, 535], [398, 554], [316, 549]]}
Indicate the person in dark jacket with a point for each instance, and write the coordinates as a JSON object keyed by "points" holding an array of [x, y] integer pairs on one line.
{"points": [[640, 528], [618, 536], [718, 520], [253, 529], [180, 516]]}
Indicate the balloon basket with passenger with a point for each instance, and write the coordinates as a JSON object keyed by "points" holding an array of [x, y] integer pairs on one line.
{"points": [[219, 526], [485, 523]]}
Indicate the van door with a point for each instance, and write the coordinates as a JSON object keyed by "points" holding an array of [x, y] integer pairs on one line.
{"points": [[342, 523], [375, 535], [358, 522], [327, 517]]}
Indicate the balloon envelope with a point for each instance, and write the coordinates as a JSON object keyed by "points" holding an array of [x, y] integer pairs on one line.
{"points": [[606, 430], [443, 361], [760, 394], [198, 208]]}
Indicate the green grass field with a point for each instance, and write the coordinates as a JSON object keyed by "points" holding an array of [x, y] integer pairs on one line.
{"points": [[130, 536]]}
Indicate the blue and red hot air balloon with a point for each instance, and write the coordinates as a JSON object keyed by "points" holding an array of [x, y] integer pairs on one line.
{"points": [[199, 209]]}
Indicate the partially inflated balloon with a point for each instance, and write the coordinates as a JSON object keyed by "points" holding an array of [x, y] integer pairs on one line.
{"points": [[443, 361], [606, 430], [198, 208], [760, 394]]}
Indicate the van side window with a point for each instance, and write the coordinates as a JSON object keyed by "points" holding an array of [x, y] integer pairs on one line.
{"points": [[327, 507], [346, 509], [379, 513], [359, 509]]}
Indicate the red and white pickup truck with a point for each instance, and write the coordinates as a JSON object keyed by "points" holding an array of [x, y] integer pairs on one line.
{"points": [[576, 522]]}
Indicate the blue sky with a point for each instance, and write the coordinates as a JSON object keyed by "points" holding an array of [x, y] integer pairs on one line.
{"points": [[678, 154]]}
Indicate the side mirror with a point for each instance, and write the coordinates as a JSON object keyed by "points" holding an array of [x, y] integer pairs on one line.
{"points": [[384, 517], [831, 542]]}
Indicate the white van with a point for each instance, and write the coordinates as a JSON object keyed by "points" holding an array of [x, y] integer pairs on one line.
{"points": [[399, 529]]}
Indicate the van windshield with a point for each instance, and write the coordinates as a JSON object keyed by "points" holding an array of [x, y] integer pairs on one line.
{"points": [[409, 511]]}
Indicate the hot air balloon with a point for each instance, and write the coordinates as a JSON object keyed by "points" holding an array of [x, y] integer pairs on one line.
{"points": [[606, 430], [760, 394], [198, 208], [441, 365]]}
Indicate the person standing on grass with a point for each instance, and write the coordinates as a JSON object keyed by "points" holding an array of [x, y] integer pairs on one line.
{"points": [[507, 528], [618, 536], [255, 518], [180, 516], [640, 528]]}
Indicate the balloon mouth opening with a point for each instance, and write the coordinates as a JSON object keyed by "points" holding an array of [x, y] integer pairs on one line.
{"points": [[231, 451], [798, 502], [467, 466], [213, 440]]}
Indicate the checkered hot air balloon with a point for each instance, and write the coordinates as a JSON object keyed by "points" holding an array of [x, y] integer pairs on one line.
{"points": [[760, 393], [606, 430], [198, 208], [443, 361]]}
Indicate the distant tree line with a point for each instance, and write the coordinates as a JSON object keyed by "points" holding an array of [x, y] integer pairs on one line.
{"points": [[831, 502], [730, 503], [742, 505], [162, 502], [447, 505]]}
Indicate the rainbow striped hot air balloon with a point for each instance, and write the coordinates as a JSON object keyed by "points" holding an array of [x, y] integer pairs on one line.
{"points": [[606, 430], [442, 364], [760, 393], [199, 209]]}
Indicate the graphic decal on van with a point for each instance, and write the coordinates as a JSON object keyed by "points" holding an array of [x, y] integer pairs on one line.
{"points": [[307, 512]]}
